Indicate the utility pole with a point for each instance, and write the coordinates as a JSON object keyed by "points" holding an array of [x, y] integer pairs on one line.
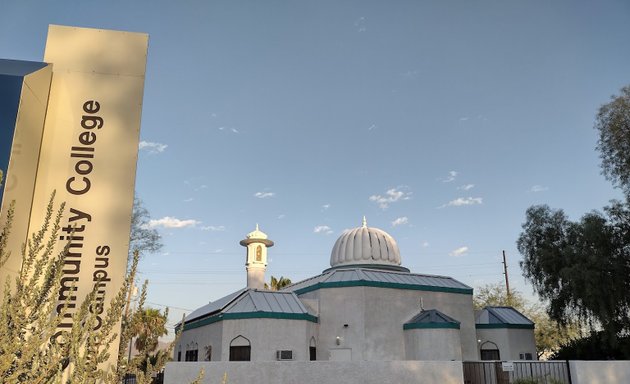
{"points": [[507, 280]]}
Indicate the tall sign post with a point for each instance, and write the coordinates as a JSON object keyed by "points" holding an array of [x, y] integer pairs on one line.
{"points": [[88, 155]]}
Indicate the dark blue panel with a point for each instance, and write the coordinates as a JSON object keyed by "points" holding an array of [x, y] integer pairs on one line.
{"points": [[19, 67], [10, 89]]}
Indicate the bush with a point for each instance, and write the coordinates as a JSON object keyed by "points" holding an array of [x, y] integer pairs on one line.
{"points": [[596, 346], [528, 380]]}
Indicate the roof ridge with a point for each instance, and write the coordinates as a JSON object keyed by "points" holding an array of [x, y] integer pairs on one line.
{"points": [[403, 273], [233, 302], [285, 289], [497, 315]]}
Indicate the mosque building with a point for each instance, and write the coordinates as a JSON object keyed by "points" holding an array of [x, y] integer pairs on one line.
{"points": [[365, 307]]}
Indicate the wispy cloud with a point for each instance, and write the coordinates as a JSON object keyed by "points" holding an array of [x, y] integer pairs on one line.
{"points": [[461, 251], [400, 221], [464, 118], [172, 222], [323, 229], [213, 228], [425, 244], [360, 24], [392, 195], [538, 188], [412, 73], [188, 200], [281, 216], [373, 126], [264, 195], [462, 201], [466, 187], [451, 177], [151, 147], [325, 207], [225, 129]]}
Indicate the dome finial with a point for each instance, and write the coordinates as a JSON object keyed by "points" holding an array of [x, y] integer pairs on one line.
{"points": [[257, 227], [365, 245]]}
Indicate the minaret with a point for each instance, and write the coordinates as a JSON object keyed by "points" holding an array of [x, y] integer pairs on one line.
{"points": [[256, 261]]}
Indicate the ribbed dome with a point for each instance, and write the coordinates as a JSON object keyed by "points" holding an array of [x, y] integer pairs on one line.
{"points": [[365, 246]]}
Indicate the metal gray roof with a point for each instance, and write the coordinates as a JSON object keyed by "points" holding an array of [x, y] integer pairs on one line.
{"points": [[266, 301], [214, 306], [502, 315], [431, 316], [383, 278], [251, 300]]}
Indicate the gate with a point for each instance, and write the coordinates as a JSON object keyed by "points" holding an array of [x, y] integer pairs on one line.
{"points": [[494, 372]]}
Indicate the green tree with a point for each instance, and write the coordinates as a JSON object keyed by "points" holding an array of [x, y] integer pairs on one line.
{"points": [[495, 295], [613, 124], [582, 268], [148, 324], [142, 238], [276, 284], [549, 334]]}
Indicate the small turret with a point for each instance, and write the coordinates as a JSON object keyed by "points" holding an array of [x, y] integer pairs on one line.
{"points": [[256, 259]]}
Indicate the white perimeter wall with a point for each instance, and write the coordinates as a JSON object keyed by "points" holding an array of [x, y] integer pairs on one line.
{"points": [[321, 372], [600, 372]]}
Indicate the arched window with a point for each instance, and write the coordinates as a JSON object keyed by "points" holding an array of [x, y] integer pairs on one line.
{"points": [[192, 352], [240, 349], [312, 350], [490, 351], [259, 253]]}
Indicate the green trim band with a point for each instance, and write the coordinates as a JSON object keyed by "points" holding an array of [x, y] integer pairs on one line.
{"points": [[504, 326], [248, 315], [381, 284], [430, 326]]}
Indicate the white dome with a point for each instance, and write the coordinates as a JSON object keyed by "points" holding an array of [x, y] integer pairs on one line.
{"points": [[256, 234], [365, 246]]}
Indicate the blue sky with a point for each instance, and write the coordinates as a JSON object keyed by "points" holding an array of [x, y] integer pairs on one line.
{"points": [[441, 121]]}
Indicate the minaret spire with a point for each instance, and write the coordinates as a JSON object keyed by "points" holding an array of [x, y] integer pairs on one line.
{"points": [[256, 258]]}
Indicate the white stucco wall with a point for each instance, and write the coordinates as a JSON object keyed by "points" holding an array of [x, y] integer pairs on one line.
{"points": [[375, 318], [599, 372], [210, 334], [338, 307], [511, 342], [321, 372], [268, 336], [355, 323], [432, 344]]}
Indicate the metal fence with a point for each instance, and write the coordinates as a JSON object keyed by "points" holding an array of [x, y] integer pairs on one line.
{"points": [[498, 372], [131, 378]]}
